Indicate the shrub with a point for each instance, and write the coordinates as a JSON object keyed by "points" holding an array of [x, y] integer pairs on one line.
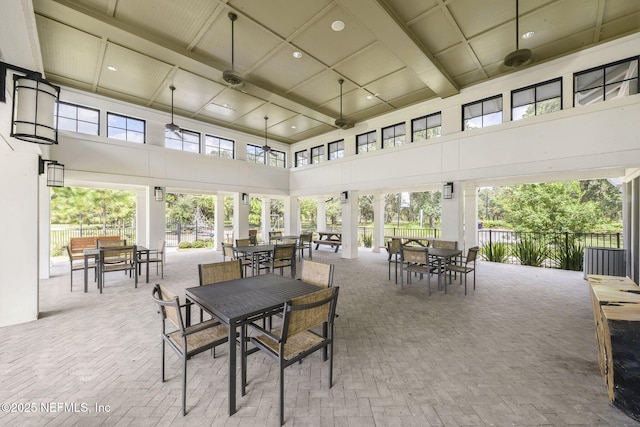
{"points": [[529, 251], [367, 240], [184, 245], [197, 244], [496, 252], [571, 256]]}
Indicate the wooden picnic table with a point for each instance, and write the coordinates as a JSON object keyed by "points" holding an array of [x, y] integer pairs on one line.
{"points": [[332, 238]]}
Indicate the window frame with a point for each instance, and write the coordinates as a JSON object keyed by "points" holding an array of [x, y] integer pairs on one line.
{"points": [[535, 87], [182, 140], [297, 158], [427, 127], [370, 145], [126, 129], [321, 157], [219, 140], [338, 150], [483, 115], [396, 136], [259, 154], [604, 78], [75, 119], [272, 156]]}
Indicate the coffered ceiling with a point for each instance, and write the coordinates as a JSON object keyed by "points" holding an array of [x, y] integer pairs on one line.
{"points": [[391, 53]]}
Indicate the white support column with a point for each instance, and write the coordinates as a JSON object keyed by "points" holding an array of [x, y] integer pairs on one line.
{"points": [[470, 208], [44, 227], [350, 226], [155, 221], [378, 222], [322, 214], [142, 196], [452, 216], [291, 216], [240, 217], [218, 219], [266, 218]]}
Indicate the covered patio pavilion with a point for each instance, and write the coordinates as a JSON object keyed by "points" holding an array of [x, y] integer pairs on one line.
{"points": [[519, 350]]}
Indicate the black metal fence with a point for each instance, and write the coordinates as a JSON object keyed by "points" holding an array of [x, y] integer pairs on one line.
{"points": [[551, 250]]}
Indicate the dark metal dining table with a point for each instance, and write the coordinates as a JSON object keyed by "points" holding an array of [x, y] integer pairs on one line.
{"points": [[254, 251], [238, 302]]}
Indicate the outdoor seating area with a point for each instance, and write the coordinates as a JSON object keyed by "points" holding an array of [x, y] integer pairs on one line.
{"points": [[485, 358]]}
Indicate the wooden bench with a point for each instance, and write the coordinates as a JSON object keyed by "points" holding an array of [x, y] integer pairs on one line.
{"points": [[333, 243], [77, 245]]}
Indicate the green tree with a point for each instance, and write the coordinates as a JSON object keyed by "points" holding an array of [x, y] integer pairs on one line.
{"points": [[88, 206], [549, 207]]}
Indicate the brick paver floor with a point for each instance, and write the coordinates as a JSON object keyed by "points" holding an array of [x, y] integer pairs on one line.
{"points": [[519, 350]]}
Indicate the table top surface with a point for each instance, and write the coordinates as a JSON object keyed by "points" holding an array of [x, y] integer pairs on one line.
{"points": [[240, 299], [254, 248], [329, 233]]}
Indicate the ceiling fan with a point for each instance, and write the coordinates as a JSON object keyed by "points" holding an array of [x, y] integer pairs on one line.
{"points": [[265, 147], [519, 56], [172, 127], [231, 76], [341, 122]]}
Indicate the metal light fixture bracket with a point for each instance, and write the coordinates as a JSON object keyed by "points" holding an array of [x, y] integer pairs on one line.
{"points": [[55, 172], [245, 199], [344, 197]]}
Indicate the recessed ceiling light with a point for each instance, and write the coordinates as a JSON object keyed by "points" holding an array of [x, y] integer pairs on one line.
{"points": [[528, 35], [293, 127], [112, 68], [337, 25], [369, 96], [297, 54]]}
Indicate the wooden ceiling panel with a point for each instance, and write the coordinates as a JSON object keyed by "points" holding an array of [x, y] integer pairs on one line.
{"points": [[284, 71], [370, 64]]}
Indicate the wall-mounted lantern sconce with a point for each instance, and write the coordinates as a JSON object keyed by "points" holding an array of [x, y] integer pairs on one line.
{"points": [[158, 194], [447, 190], [344, 197], [55, 172], [34, 115], [245, 199]]}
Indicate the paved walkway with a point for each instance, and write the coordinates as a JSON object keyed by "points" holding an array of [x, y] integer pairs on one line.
{"points": [[520, 350]]}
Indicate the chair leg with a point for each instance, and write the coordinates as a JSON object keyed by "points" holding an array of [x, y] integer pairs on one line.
{"points": [[184, 386], [281, 394], [162, 360]]}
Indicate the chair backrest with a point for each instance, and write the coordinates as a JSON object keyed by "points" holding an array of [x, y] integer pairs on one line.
{"points": [[306, 237], [317, 273], [169, 306], [119, 254], [284, 251], [472, 254], [161, 246], [243, 242], [445, 244], [289, 241], [227, 251], [394, 246], [111, 243], [274, 235], [217, 272], [308, 311], [415, 254]]}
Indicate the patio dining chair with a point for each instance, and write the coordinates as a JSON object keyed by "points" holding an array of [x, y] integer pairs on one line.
{"points": [[229, 252], [283, 256], [317, 273], [393, 247], [295, 340], [186, 342], [466, 266], [155, 256], [78, 264], [305, 242], [415, 259], [121, 258]]}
